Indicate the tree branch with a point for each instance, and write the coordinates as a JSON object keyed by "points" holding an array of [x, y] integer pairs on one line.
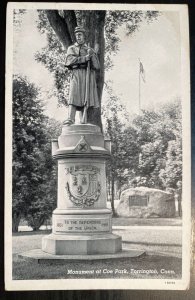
{"points": [[71, 21], [60, 27]]}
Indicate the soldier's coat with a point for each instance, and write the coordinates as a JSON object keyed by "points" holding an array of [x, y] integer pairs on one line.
{"points": [[77, 62]]}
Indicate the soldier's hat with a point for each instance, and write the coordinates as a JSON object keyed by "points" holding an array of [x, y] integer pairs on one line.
{"points": [[79, 29]]}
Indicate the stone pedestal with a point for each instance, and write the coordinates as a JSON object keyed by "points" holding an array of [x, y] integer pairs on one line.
{"points": [[81, 221]]}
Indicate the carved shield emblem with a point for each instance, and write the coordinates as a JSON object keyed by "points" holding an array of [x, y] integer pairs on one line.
{"points": [[83, 185], [79, 184]]}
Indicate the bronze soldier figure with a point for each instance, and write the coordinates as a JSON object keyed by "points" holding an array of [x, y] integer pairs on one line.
{"points": [[83, 62]]}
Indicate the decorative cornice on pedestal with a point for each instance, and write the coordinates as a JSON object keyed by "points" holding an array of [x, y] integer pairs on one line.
{"points": [[62, 154], [80, 140]]}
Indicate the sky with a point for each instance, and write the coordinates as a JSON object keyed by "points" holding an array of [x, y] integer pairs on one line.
{"points": [[157, 45]]}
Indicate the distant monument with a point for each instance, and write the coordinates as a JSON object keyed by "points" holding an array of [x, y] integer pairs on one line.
{"points": [[81, 221], [144, 202]]}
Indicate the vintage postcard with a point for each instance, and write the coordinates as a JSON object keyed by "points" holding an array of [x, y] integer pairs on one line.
{"points": [[97, 147]]}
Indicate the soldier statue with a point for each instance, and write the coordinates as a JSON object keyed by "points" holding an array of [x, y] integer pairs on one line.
{"points": [[82, 60]]}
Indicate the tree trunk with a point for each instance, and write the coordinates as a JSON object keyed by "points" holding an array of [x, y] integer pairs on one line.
{"points": [[112, 197], [60, 27], [36, 222], [119, 194], [96, 20], [15, 221]]}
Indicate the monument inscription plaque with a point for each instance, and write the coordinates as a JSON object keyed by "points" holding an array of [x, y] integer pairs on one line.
{"points": [[138, 200], [80, 225]]}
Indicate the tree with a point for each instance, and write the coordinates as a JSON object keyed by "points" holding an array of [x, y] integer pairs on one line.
{"points": [[101, 27], [44, 202], [34, 171], [172, 174], [28, 135], [124, 148], [114, 130], [159, 139]]}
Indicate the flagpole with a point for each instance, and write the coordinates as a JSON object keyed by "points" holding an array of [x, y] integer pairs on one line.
{"points": [[141, 74], [139, 90]]}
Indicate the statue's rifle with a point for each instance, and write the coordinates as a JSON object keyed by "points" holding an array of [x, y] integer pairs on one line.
{"points": [[87, 92]]}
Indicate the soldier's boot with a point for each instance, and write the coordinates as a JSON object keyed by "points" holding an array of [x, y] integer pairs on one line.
{"points": [[81, 115], [71, 118]]}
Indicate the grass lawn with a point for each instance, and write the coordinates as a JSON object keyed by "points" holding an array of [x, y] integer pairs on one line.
{"points": [[146, 222], [151, 263]]}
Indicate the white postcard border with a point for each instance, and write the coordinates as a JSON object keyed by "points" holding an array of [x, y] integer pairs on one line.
{"points": [[69, 284]]}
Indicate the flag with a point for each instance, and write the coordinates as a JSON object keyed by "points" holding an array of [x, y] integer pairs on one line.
{"points": [[142, 71]]}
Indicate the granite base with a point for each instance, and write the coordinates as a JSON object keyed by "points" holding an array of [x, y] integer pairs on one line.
{"points": [[81, 244], [41, 257]]}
